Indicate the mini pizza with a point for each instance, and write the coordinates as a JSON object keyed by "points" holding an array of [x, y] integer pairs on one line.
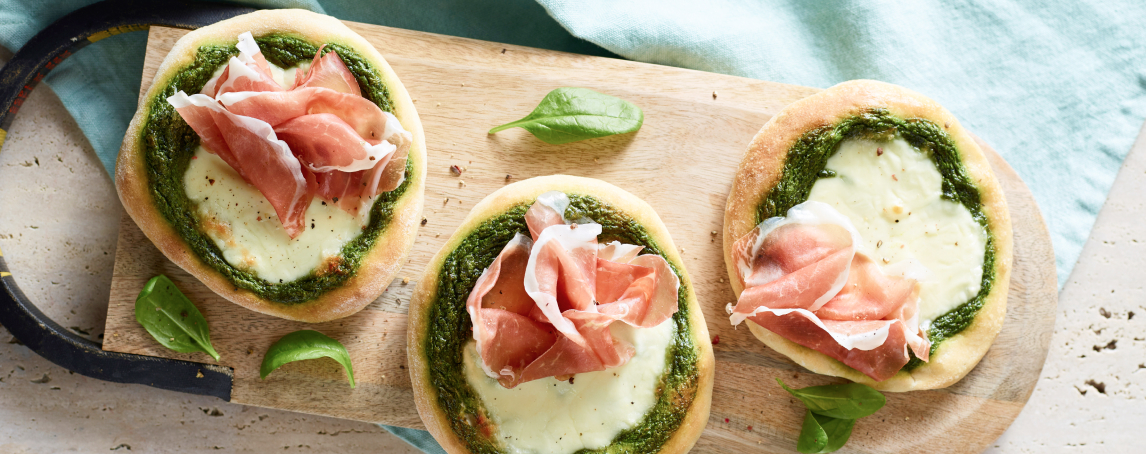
{"points": [[866, 237], [559, 318], [278, 159]]}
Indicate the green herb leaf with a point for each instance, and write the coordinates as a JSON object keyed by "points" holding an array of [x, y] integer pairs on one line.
{"points": [[172, 319], [846, 401], [838, 430], [813, 437], [570, 114], [823, 433], [305, 344]]}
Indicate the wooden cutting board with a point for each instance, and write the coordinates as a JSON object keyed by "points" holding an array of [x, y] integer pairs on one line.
{"points": [[682, 161]]}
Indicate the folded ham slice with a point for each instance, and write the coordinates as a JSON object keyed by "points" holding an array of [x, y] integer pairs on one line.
{"points": [[328, 71], [804, 280], [545, 306], [318, 138], [251, 148], [249, 71]]}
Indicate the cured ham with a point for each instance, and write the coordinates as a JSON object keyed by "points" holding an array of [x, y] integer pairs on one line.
{"points": [[251, 148], [804, 280], [328, 71], [319, 137], [248, 71], [325, 143], [544, 307]]}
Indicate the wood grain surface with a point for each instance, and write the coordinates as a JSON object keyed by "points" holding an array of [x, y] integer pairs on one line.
{"points": [[682, 161]]}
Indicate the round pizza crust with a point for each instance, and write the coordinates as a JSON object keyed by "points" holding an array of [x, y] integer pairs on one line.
{"points": [[761, 170], [384, 259], [525, 192]]}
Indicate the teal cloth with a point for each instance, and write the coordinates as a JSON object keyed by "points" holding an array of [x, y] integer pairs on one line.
{"points": [[1058, 88]]}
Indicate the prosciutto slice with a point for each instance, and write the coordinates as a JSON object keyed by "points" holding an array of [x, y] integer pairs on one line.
{"points": [[318, 138], [252, 149], [804, 280], [249, 71], [328, 71], [326, 143], [545, 306]]}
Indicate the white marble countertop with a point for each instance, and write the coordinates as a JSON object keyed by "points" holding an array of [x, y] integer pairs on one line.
{"points": [[58, 232]]}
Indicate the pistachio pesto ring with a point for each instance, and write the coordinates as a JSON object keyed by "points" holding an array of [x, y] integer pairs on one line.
{"points": [[161, 154], [655, 402], [922, 203]]}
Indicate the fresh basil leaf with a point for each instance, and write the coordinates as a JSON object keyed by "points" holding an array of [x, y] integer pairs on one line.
{"points": [[813, 437], [172, 319], [838, 430], [570, 114], [305, 344], [846, 401], [823, 433]]}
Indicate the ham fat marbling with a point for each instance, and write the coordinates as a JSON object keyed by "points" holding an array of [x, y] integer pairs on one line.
{"points": [[545, 306], [804, 280], [319, 137]]}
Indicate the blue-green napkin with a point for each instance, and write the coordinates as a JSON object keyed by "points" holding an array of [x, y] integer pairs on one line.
{"points": [[1058, 88]]}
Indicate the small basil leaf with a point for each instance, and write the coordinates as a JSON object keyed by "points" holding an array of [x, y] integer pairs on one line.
{"points": [[570, 114], [823, 433], [172, 319], [838, 430], [305, 344], [813, 438], [846, 401]]}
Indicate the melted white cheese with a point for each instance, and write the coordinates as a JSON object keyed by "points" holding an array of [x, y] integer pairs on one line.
{"points": [[244, 226], [894, 201], [552, 416]]}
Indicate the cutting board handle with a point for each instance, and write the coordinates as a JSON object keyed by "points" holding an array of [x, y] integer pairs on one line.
{"points": [[17, 79]]}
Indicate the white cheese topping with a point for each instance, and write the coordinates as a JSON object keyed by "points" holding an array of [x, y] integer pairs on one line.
{"points": [[244, 226], [552, 416], [891, 192]]}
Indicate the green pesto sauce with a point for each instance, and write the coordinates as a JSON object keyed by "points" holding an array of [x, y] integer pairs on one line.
{"points": [[806, 164], [450, 328], [169, 143]]}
